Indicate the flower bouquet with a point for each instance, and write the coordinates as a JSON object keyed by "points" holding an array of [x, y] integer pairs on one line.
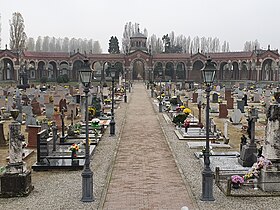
{"points": [[74, 148], [236, 181], [254, 172]]}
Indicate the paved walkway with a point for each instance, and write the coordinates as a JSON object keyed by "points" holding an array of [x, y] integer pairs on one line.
{"points": [[145, 175]]}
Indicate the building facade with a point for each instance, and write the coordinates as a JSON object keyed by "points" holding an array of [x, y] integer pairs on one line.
{"points": [[138, 64]]}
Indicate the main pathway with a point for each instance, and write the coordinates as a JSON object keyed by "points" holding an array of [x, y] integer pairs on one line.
{"points": [[145, 175]]}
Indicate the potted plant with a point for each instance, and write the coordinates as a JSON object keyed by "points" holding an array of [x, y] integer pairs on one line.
{"points": [[236, 181]]}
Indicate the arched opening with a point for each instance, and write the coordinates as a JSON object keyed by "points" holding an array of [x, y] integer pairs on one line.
{"points": [[41, 69], [64, 68], [138, 72], [119, 70], [52, 71], [77, 65], [31, 70], [157, 68], [195, 74], [169, 71], [97, 70], [266, 73], [244, 71], [221, 71], [6, 69], [181, 71], [235, 71]]}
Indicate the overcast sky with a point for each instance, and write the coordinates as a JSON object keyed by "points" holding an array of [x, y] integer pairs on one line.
{"points": [[235, 21]]}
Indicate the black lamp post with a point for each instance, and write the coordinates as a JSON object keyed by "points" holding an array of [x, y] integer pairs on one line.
{"points": [[87, 187], [112, 122], [160, 99], [125, 96], [208, 74]]}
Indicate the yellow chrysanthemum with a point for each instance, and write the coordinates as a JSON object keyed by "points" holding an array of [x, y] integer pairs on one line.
{"points": [[187, 111]]}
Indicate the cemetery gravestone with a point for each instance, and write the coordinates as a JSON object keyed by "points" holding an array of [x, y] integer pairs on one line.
{"points": [[256, 98], [240, 105], [36, 109], [245, 99], [49, 110], [227, 94], [194, 97], [236, 117], [2, 136], [230, 103], [215, 98], [223, 112]]}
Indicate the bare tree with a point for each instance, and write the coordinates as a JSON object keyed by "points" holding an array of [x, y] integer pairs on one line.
{"points": [[46, 43], [38, 46], [58, 47], [17, 35], [251, 45], [73, 44], [52, 44], [65, 44], [96, 47], [129, 30], [30, 44]]}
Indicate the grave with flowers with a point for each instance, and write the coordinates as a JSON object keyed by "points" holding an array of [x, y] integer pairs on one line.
{"points": [[54, 155], [270, 173]]}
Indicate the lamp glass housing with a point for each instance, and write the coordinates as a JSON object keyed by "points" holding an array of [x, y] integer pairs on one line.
{"points": [[112, 72], [208, 72], [86, 73]]}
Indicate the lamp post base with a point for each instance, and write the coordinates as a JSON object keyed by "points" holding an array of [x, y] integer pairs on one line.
{"points": [[112, 127], [160, 107], [87, 186], [207, 185], [125, 99]]}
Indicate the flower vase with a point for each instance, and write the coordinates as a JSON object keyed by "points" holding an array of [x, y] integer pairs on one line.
{"points": [[75, 161], [73, 155], [235, 185]]}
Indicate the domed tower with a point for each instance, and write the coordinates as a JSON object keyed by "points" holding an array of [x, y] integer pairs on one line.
{"points": [[138, 42]]}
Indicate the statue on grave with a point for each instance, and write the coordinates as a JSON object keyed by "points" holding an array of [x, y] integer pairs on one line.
{"points": [[249, 127], [243, 140], [269, 177]]}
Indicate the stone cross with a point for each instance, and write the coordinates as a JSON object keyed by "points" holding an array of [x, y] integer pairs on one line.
{"points": [[248, 154]]}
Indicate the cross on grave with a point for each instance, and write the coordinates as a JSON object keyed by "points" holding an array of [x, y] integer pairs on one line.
{"points": [[248, 155]]}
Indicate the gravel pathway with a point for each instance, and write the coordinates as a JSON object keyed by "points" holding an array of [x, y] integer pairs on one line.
{"points": [[145, 175]]}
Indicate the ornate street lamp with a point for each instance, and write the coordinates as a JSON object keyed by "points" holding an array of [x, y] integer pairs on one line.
{"points": [[208, 75], [112, 122], [87, 185], [160, 99], [125, 96]]}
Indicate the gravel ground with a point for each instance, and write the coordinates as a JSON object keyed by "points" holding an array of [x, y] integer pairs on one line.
{"points": [[191, 169], [63, 189]]}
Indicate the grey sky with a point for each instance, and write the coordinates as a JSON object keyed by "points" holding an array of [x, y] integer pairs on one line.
{"points": [[235, 21]]}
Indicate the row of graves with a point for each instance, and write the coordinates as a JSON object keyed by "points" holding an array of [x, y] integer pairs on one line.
{"points": [[54, 119], [254, 169]]}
